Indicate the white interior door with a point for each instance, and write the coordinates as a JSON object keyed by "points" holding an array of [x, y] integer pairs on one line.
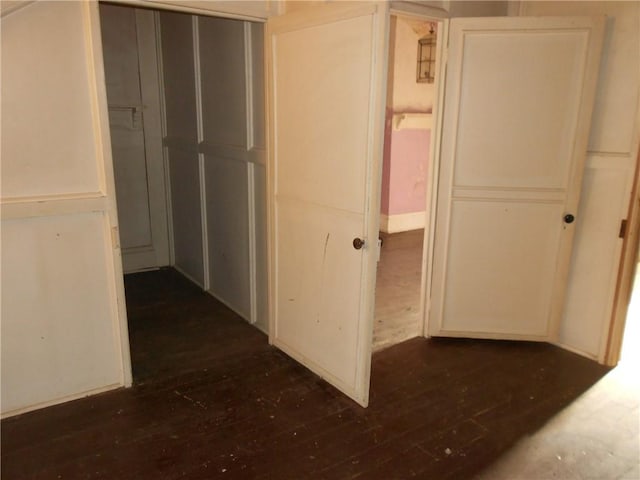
{"points": [[517, 111], [327, 67], [128, 41]]}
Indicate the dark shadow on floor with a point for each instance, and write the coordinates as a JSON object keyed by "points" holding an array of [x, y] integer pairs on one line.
{"points": [[176, 328]]}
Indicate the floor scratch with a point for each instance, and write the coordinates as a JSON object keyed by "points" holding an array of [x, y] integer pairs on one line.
{"points": [[188, 398]]}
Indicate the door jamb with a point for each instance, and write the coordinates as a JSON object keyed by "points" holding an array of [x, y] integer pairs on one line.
{"points": [[441, 17], [626, 273]]}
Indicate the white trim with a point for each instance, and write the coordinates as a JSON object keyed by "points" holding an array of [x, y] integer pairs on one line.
{"points": [[201, 160], [251, 193], [582, 353], [248, 84], [188, 276], [236, 10], [64, 399], [165, 150], [402, 222], [251, 214], [104, 157]]}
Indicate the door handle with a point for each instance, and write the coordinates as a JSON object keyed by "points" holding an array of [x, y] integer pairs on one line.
{"points": [[358, 243], [568, 218]]}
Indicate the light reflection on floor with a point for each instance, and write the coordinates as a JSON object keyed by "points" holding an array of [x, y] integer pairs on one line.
{"points": [[597, 436]]}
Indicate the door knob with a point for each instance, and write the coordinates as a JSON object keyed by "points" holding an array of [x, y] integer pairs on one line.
{"points": [[358, 243], [568, 218]]}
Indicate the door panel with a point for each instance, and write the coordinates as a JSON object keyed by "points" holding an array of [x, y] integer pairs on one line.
{"points": [[516, 121], [129, 46], [495, 288], [327, 71], [64, 331]]}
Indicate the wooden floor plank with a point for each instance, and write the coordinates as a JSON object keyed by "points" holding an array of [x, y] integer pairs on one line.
{"points": [[218, 402]]}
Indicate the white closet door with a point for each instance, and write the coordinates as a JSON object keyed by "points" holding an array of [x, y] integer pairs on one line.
{"points": [[517, 114], [326, 73]]}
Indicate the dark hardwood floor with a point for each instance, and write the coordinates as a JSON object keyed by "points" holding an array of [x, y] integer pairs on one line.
{"points": [[213, 400]]}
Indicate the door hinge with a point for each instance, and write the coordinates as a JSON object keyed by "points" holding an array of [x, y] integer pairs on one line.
{"points": [[623, 229]]}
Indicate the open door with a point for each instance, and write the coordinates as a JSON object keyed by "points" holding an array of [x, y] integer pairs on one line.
{"points": [[326, 72], [517, 111]]}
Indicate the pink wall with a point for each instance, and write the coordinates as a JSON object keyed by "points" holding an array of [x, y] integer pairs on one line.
{"points": [[404, 169]]}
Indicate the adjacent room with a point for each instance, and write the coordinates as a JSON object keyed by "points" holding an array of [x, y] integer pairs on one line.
{"points": [[399, 313]]}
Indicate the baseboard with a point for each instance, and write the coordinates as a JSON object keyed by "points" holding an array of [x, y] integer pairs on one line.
{"points": [[182, 272], [402, 222], [63, 399]]}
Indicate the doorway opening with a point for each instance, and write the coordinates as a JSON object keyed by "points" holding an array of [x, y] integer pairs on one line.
{"points": [[189, 168], [406, 185]]}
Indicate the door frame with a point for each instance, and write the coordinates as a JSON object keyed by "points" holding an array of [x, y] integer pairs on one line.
{"points": [[225, 10], [441, 17], [626, 270]]}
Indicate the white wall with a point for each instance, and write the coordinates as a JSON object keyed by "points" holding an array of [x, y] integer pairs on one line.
{"points": [[611, 161], [406, 94], [63, 320], [215, 142]]}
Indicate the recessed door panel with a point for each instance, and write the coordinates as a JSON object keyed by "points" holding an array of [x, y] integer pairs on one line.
{"points": [[517, 110]]}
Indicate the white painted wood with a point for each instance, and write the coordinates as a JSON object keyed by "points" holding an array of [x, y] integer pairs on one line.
{"points": [[179, 82], [133, 93], [614, 140], [225, 122], [599, 226], [260, 209], [181, 142], [53, 348], [325, 146], [223, 79], [614, 115], [197, 74], [228, 226], [502, 249], [402, 222], [252, 10], [152, 116], [433, 166], [33, 168], [64, 329], [187, 222], [257, 85], [256, 142]]}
